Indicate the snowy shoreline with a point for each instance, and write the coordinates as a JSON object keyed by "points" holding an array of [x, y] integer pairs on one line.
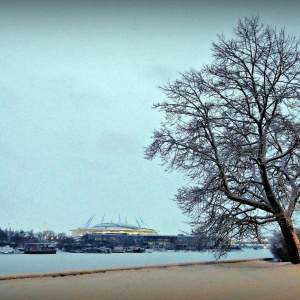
{"points": [[255, 279]]}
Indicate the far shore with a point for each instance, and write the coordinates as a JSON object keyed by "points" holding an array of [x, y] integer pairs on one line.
{"points": [[243, 279]]}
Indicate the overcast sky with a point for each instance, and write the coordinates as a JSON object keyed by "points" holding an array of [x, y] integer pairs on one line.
{"points": [[77, 84]]}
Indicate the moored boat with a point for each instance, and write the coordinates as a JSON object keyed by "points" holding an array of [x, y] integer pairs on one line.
{"points": [[39, 248], [138, 249], [118, 249]]}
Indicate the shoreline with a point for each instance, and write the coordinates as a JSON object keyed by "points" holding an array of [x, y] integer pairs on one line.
{"points": [[242, 279], [105, 270]]}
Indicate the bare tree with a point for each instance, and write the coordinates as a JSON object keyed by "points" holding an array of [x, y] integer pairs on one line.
{"points": [[233, 129]]}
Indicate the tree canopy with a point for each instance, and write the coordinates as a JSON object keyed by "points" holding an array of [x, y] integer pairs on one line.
{"points": [[233, 129]]}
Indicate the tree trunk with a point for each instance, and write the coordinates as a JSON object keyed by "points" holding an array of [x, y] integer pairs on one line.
{"points": [[291, 239]]}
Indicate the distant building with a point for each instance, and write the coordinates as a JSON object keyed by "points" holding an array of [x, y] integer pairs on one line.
{"points": [[125, 234], [172, 242], [114, 228]]}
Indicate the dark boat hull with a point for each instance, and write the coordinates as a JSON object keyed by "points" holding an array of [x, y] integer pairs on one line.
{"points": [[40, 252]]}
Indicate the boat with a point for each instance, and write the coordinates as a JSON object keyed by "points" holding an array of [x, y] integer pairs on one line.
{"points": [[134, 249], [138, 249], [39, 248], [118, 249], [77, 251], [97, 250], [20, 249]]}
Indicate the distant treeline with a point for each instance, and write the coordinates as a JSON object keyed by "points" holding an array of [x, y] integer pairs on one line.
{"points": [[17, 237]]}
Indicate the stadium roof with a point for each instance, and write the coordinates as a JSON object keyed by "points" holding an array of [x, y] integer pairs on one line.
{"points": [[114, 228]]}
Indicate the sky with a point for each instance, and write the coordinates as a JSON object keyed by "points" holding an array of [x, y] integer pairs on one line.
{"points": [[77, 84]]}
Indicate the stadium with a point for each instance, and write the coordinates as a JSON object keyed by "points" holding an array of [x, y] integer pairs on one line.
{"points": [[114, 228], [113, 234]]}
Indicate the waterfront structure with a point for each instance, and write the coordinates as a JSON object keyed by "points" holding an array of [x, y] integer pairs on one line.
{"points": [[171, 242], [123, 234], [114, 228]]}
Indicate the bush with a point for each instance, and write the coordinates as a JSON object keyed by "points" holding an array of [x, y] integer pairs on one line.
{"points": [[278, 246]]}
